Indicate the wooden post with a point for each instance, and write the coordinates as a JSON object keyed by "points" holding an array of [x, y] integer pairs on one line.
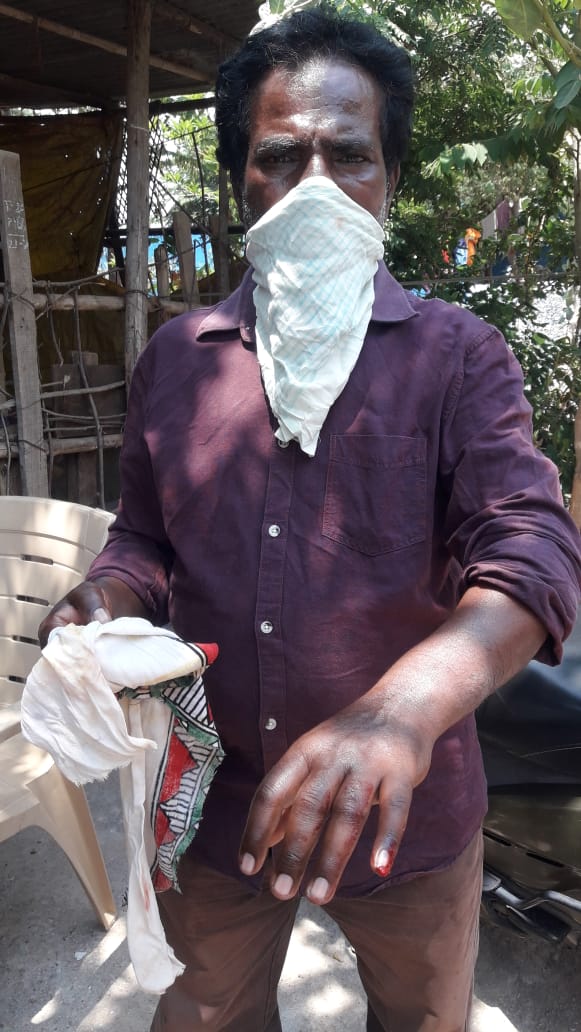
{"points": [[162, 277], [162, 271], [182, 228], [22, 328], [139, 39], [222, 252]]}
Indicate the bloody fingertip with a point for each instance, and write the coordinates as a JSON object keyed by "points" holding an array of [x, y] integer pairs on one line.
{"points": [[384, 861]]}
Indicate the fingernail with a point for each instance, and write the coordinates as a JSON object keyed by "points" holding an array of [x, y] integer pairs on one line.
{"points": [[318, 890], [101, 615], [247, 864], [283, 885], [383, 862]]}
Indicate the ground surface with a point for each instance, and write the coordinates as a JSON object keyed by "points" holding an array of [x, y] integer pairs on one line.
{"points": [[59, 972]]}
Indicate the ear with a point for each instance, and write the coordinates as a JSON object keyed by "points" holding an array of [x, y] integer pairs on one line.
{"points": [[393, 180]]}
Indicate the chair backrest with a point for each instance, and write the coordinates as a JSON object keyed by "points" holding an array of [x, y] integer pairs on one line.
{"points": [[46, 548]]}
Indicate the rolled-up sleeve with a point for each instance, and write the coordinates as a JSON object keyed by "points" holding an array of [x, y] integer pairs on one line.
{"points": [[137, 550], [505, 522]]}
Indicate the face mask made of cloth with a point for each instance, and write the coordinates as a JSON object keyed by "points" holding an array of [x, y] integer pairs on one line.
{"points": [[314, 255]]}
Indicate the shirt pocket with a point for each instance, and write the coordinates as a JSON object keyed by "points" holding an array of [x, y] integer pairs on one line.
{"points": [[375, 495]]}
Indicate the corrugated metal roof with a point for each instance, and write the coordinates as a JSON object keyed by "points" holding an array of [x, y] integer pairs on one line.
{"points": [[41, 68]]}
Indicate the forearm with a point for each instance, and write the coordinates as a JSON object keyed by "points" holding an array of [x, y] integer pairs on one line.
{"points": [[487, 640]]}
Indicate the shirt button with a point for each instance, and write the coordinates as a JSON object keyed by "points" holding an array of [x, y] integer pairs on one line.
{"points": [[282, 444], [266, 627], [274, 530], [270, 724]]}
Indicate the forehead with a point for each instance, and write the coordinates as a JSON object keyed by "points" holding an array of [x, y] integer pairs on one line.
{"points": [[321, 91]]}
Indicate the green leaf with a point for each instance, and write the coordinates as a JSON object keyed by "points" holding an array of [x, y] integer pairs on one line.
{"points": [[555, 120], [522, 17], [568, 73], [568, 92]]}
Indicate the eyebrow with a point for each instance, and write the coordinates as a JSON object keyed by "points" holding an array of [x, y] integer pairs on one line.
{"points": [[354, 142], [286, 144], [281, 144]]}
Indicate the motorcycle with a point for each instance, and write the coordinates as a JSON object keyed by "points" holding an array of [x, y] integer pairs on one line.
{"points": [[530, 735]]}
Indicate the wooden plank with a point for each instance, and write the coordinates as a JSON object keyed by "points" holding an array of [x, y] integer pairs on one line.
{"points": [[162, 271], [67, 446], [20, 90], [182, 71], [22, 328], [82, 478], [182, 229], [97, 303], [223, 250], [139, 13], [162, 276], [169, 11]]}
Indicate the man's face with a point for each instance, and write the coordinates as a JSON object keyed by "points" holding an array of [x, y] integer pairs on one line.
{"points": [[322, 119]]}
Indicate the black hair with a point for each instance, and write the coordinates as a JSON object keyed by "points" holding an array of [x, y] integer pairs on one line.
{"points": [[291, 43]]}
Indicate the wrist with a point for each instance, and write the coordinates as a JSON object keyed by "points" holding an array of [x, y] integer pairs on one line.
{"points": [[119, 598]]}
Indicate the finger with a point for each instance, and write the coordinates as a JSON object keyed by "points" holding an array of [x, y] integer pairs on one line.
{"points": [[279, 832], [394, 805], [274, 795], [304, 822], [102, 615], [59, 617], [83, 604], [349, 813]]}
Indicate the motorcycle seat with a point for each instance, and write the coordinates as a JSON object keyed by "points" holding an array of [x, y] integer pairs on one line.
{"points": [[537, 715]]}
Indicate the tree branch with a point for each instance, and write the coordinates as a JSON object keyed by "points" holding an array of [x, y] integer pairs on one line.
{"points": [[572, 51]]}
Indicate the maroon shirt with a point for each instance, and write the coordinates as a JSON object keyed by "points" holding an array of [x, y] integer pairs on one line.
{"points": [[315, 574]]}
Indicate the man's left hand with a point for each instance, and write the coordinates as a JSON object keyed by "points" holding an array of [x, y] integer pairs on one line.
{"points": [[323, 789], [379, 748]]}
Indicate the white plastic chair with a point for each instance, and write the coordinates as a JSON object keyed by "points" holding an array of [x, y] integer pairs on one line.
{"points": [[46, 548]]}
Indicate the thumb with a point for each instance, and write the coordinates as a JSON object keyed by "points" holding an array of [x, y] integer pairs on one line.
{"points": [[102, 615]]}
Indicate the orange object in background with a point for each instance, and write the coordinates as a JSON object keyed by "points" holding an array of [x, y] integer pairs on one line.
{"points": [[471, 236]]}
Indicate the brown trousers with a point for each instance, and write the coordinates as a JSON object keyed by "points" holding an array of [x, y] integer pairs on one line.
{"points": [[415, 943]]}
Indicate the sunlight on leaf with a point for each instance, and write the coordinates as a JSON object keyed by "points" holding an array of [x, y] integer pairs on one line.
{"points": [[568, 92], [521, 16]]}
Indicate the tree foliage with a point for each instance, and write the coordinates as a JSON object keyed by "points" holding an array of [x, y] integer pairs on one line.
{"points": [[493, 116]]}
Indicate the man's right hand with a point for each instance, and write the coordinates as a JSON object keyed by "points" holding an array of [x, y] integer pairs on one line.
{"points": [[103, 599]]}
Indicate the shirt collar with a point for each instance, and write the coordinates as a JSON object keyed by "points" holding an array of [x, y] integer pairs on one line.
{"points": [[391, 305], [237, 312]]}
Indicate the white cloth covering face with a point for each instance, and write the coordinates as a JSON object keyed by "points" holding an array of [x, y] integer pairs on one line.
{"points": [[314, 255], [70, 709]]}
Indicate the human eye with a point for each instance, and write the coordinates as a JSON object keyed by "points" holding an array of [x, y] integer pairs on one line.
{"points": [[351, 154], [278, 159], [276, 154]]}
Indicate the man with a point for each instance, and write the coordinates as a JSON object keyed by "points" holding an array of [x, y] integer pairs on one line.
{"points": [[367, 532]]}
